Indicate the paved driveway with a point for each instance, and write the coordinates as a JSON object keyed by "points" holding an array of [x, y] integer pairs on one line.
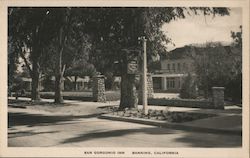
{"points": [[36, 128]]}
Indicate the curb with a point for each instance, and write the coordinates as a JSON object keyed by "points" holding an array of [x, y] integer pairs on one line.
{"points": [[17, 106], [177, 126]]}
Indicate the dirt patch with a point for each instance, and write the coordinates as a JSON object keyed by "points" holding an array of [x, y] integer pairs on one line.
{"points": [[62, 109]]}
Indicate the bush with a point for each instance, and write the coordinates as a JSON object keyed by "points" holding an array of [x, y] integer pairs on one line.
{"points": [[188, 89]]}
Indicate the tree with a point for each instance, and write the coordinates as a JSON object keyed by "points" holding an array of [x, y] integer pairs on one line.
{"points": [[234, 87], [118, 29], [188, 89], [73, 48], [53, 38], [29, 30], [70, 47], [80, 70], [237, 38], [218, 65], [113, 33], [12, 64]]}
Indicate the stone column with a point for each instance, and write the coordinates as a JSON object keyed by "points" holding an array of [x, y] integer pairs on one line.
{"points": [[99, 89], [150, 86], [218, 97], [150, 89]]}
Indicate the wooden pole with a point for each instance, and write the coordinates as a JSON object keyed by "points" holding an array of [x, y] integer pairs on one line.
{"points": [[144, 78]]}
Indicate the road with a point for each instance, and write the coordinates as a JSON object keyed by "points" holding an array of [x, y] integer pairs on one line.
{"points": [[36, 128]]}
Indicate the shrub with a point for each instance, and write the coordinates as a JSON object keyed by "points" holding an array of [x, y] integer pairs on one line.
{"points": [[188, 89]]}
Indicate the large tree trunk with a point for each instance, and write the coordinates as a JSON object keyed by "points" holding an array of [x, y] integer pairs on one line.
{"points": [[59, 78], [35, 93], [58, 89], [129, 98], [75, 84]]}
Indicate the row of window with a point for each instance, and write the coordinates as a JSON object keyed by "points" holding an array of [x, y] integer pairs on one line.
{"points": [[178, 66], [171, 83]]}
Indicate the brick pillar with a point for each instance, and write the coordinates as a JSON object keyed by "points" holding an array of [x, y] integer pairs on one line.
{"points": [[99, 89], [218, 97]]}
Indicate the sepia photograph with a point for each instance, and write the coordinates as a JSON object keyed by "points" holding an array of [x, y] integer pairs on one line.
{"points": [[136, 77]]}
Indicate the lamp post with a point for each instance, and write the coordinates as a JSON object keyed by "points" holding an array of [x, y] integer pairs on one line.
{"points": [[144, 77]]}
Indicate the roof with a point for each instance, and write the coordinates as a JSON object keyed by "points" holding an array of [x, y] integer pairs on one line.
{"points": [[79, 79], [192, 50], [179, 53]]}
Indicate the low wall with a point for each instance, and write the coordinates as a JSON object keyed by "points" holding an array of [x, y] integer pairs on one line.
{"points": [[217, 101], [192, 103]]}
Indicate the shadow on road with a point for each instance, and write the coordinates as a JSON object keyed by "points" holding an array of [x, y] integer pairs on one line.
{"points": [[193, 139], [210, 140], [119, 133], [27, 133], [30, 120]]}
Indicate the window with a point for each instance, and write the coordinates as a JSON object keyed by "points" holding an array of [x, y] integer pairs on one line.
{"points": [[168, 66], [170, 83], [179, 67], [173, 65], [184, 66]]}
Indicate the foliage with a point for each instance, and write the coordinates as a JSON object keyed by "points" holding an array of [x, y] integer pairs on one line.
{"points": [[189, 88], [237, 38], [119, 28], [31, 31], [12, 62], [61, 35], [218, 65]]}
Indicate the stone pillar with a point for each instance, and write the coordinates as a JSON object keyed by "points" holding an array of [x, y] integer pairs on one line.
{"points": [[99, 89], [150, 86], [218, 97], [150, 89]]}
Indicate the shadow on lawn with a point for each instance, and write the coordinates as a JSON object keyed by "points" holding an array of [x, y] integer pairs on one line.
{"points": [[30, 120]]}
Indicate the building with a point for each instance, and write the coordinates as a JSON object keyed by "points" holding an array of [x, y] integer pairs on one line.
{"points": [[69, 83], [175, 66], [72, 83], [180, 62]]}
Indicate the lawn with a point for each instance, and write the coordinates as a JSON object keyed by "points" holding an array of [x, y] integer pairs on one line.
{"points": [[80, 95]]}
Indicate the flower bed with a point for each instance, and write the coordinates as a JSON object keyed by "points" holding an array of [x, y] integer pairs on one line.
{"points": [[162, 115]]}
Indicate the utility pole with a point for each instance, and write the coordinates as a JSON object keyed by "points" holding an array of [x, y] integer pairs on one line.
{"points": [[144, 77]]}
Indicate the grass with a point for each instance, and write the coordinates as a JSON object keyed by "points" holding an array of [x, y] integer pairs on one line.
{"points": [[80, 95]]}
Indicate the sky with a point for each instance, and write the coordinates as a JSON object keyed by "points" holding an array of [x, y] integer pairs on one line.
{"points": [[198, 29]]}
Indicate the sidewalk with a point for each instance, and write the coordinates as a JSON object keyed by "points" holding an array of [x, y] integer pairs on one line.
{"points": [[228, 120]]}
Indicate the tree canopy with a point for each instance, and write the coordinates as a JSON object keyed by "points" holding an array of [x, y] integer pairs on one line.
{"points": [[96, 35]]}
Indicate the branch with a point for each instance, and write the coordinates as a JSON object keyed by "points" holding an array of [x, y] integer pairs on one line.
{"points": [[63, 69], [26, 62]]}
